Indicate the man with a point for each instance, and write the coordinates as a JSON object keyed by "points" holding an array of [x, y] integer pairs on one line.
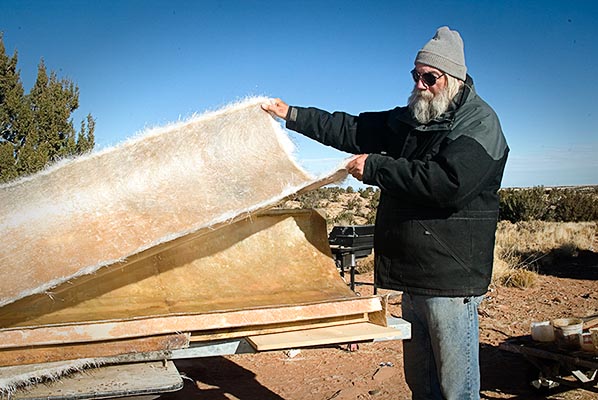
{"points": [[439, 164]]}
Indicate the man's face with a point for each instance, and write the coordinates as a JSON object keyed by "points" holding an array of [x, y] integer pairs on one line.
{"points": [[429, 98], [440, 81]]}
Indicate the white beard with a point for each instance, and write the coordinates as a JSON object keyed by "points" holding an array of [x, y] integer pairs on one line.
{"points": [[425, 106]]}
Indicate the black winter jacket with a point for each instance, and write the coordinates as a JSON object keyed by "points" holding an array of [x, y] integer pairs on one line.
{"points": [[436, 221]]}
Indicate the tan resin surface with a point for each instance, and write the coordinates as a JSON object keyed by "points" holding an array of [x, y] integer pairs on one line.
{"points": [[96, 210]]}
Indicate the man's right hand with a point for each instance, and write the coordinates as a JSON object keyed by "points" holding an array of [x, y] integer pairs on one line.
{"points": [[276, 108]]}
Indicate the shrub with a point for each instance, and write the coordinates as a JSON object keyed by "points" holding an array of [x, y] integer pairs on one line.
{"points": [[309, 199], [522, 204], [353, 204], [344, 218], [572, 205], [552, 204]]}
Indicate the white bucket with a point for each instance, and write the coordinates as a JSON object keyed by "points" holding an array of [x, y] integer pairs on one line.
{"points": [[567, 332], [542, 331]]}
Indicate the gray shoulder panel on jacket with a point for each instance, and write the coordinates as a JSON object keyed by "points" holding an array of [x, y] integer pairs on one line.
{"points": [[478, 121]]}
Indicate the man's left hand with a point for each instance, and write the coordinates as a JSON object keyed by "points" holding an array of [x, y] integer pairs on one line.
{"points": [[356, 165]]}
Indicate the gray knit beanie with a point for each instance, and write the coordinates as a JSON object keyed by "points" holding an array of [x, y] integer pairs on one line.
{"points": [[445, 52]]}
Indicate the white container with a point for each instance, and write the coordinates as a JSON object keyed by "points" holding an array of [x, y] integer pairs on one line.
{"points": [[567, 332], [542, 331]]}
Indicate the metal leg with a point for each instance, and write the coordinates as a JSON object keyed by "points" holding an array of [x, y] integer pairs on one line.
{"points": [[338, 260], [353, 265]]}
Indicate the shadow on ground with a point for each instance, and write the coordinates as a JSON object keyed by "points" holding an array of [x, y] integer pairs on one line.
{"points": [[217, 378], [581, 264], [509, 375]]}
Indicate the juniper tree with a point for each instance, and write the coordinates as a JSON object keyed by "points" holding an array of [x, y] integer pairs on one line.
{"points": [[37, 128], [15, 115]]}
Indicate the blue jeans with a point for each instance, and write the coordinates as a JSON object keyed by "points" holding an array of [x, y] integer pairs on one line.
{"points": [[442, 358]]}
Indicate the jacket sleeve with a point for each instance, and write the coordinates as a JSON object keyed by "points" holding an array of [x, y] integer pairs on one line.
{"points": [[345, 132], [468, 163]]}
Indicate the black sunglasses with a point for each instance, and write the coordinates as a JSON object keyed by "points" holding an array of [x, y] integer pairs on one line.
{"points": [[428, 78]]}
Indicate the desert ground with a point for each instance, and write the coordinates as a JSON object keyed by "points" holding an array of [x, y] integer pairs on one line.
{"points": [[375, 370]]}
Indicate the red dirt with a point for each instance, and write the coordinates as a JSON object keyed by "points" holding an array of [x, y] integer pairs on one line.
{"points": [[375, 370]]}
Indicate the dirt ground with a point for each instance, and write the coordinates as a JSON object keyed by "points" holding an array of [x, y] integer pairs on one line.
{"points": [[375, 370]]}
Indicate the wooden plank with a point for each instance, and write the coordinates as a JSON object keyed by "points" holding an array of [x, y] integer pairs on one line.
{"points": [[580, 359], [232, 333], [380, 317], [45, 354], [109, 330], [110, 381], [363, 331], [590, 323]]}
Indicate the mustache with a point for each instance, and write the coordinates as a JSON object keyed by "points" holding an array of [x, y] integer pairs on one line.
{"points": [[422, 94]]}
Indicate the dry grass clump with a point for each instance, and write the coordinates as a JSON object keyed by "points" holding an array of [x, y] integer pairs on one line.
{"points": [[505, 275], [523, 247]]}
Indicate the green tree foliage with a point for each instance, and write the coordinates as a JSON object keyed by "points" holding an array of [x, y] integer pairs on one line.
{"points": [[15, 116], [374, 202], [36, 128], [554, 204], [575, 205], [523, 204]]}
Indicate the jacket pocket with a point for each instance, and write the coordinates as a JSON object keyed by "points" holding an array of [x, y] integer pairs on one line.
{"points": [[467, 240], [453, 239]]}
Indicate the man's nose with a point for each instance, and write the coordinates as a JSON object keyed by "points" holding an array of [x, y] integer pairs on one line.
{"points": [[420, 85]]}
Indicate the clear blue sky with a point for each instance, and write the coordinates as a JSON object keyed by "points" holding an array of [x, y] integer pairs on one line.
{"points": [[140, 64]]}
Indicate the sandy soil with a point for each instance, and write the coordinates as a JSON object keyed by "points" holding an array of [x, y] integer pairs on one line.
{"points": [[375, 370]]}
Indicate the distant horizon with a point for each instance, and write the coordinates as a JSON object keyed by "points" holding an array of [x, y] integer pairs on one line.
{"points": [[581, 186]]}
